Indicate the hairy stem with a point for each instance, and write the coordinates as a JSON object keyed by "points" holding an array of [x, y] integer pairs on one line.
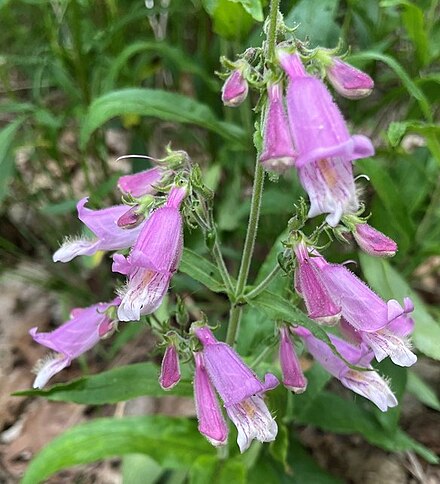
{"points": [[264, 283]]}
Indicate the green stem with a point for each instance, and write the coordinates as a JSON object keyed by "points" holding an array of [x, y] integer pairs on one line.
{"points": [[264, 283], [254, 216], [218, 256]]}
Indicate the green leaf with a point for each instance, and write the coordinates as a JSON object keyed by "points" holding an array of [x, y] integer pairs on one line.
{"points": [[422, 391], [332, 413], [389, 284], [168, 106], [409, 84], [201, 270], [175, 55], [112, 386], [252, 7], [230, 18], [397, 130], [316, 19], [172, 442], [210, 469], [280, 447], [140, 469], [7, 163], [391, 197]]}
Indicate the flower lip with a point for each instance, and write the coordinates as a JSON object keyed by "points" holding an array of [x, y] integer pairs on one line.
{"points": [[357, 146]]}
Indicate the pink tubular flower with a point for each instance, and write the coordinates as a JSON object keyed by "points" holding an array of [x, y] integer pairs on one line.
{"points": [[103, 224], [278, 151], [152, 261], [76, 336], [325, 149], [211, 421], [383, 326], [293, 376], [240, 390], [320, 306], [318, 128], [142, 183], [366, 383], [348, 81], [235, 89], [374, 242], [170, 369]]}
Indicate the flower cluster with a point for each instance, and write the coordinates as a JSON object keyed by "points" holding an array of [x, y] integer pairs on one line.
{"points": [[155, 242], [301, 127]]}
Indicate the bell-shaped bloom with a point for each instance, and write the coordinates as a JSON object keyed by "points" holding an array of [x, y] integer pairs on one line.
{"points": [[153, 260], [240, 390], [366, 383], [318, 128], [348, 81], [278, 152], [374, 242], [319, 304], [170, 369], [293, 376], [107, 234], [235, 89], [329, 183], [142, 183], [76, 336], [376, 321], [209, 414]]}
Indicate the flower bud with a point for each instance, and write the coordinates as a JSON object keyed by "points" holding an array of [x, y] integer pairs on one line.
{"points": [[235, 89], [130, 218], [278, 151], [374, 242], [170, 369], [349, 81], [293, 377]]}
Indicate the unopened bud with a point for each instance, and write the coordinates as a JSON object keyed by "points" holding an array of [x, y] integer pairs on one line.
{"points": [[374, 242], [235, 89], [348, 81]]}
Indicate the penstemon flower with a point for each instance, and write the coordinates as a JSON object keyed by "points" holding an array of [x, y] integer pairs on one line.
{"points": [[278, 152], [382, 325], [320, 306], [76, 336], [104, 225], [170, 369], [374, 242], [348, 81], [325, 149], [209, 414], [293, 376], [142, 183], [153, 260], [366, 383], [240, 390], [235, 89]]}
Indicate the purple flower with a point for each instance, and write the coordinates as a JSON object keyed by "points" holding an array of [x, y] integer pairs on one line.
{"points": [[170, 368], [349, 81], [293, 377], [235, 89], [320, 306], [142, 183], [329, 183], [153, 260], [103, 224], [240, 390], [366, 383], [76, 336], [278, 151], [211, 421], [379, 323], [131, 218], [374, 242], [318, 128]]}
